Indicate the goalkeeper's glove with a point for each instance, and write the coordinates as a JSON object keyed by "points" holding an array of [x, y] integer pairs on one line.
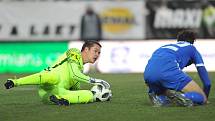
{"points": [[99, 81]]}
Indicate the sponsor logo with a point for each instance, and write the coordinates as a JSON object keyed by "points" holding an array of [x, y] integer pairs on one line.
{"points": [[179, 18], [117, 20]]}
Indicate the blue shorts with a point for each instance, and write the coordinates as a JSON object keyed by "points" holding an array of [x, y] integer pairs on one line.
{"points": [[162, 74]]}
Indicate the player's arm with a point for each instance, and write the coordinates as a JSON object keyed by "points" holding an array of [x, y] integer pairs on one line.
{"points": [[203, 74], [205, 79], [79, 76], [60, 60], [74, 58]]}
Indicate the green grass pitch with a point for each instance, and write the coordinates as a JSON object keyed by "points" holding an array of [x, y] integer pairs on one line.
{"points": [[129, 103]]}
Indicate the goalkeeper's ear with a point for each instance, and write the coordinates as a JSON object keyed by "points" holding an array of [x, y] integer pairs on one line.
{"points": [[86, 49]]}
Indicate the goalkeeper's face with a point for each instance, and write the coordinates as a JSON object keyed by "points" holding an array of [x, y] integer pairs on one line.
{"points": [[93, 53]]}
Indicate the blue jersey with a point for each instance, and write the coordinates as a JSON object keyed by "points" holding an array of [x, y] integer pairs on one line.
{"points": [[183, 53], [164, 68]]}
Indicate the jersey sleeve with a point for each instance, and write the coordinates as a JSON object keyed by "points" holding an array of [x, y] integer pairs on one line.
{"points": [[203, 74], [198, 61], [77, 74], [205, 79], [75, 60]]}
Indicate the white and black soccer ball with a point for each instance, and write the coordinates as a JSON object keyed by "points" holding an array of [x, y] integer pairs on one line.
{"points": [[100, 93]]}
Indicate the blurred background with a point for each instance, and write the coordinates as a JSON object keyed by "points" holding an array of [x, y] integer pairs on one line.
{"points": [[33, 33]]}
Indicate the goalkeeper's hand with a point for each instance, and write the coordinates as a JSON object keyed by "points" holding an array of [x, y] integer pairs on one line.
{"points": [[100, 81]]}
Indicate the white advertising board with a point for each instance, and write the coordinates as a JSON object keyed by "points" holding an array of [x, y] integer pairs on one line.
{"points": [[60, 20], [132, 56]]}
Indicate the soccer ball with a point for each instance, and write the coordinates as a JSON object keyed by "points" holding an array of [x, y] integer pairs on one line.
{"points": [[101, 94]]}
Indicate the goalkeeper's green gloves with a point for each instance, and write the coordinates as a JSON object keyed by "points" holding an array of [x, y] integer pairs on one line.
{"points": [[100, 81]]}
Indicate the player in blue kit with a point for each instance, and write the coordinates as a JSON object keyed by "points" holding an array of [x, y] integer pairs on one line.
{"points": [[168, 83]]}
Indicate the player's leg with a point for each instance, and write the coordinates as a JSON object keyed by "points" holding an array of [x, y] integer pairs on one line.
{"points": [[79, 96], [49, 77], [193, 91], [177, 98], [76, 86], [155, 88], [173, 80], [178, 82], [53, 76], [152, 77], [155, 96], [197, 98], [45, 91]]}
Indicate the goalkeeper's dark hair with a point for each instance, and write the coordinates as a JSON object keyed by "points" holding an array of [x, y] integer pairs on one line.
{"points": [[187, 36], [90, 44]]}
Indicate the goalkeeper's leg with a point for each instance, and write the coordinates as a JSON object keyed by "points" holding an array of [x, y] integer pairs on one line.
{"points": [[45, 91], [76, 86], [79, 96], [44, 77]]}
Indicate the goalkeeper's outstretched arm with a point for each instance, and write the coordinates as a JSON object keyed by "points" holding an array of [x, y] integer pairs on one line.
{"points": [[79, 76]]}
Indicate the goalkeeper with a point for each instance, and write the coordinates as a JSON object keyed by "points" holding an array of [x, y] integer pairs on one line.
{"points": [[60, 84]]}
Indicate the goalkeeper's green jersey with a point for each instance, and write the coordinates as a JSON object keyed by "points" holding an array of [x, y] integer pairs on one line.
{"points": [[70, 69], [64, 75], [66, 72]]}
